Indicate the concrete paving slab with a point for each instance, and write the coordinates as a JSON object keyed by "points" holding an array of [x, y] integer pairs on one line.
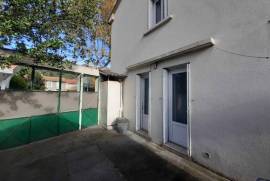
{"points": [[101, 171], [92, 154]]}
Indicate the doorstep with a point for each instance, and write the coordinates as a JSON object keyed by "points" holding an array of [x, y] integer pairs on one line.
{"points": [[178, 160], [143, 134], [178, 150]]}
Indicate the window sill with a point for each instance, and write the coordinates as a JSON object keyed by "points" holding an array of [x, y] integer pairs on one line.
{"points": [[160, 24]]}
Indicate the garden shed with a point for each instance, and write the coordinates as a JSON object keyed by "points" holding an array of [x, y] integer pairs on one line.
{"points": [[111, 103]]}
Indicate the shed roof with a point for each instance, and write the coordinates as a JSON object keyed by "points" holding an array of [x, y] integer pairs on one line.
{"points": [[27, 61], [109, 74]]}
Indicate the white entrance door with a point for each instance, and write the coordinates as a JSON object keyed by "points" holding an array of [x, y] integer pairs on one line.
{"points": [[178, 99], [144, 102]]}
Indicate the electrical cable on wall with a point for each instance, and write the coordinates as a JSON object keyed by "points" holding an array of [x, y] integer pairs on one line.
{"points": [[239, 54], [243, 55]]}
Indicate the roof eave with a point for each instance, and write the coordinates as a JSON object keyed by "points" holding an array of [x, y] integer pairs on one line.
{"points": [[111, 17], [193, 47]]}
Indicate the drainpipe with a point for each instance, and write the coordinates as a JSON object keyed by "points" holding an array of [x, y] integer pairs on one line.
{"points": [[80, 102]]}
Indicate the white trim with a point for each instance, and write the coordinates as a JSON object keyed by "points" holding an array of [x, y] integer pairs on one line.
{"points": [[166, 8], [80, 103], [149, 104], [189, 110], [158, 25], [138, 102], [150, 12], [141, 108], [165, 105]]}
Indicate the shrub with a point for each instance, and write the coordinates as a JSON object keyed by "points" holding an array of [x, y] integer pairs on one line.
{"points": [[18, 83]]}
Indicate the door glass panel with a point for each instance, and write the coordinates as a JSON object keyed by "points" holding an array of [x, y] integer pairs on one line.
{"points": [[146, 96], [179, 99]]}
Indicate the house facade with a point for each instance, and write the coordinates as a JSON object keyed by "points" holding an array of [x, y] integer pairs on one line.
{"points": [[52, 84], [198, 79]]}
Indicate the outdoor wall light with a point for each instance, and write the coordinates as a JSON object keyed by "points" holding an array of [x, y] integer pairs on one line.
{"points": [[213, 40]]}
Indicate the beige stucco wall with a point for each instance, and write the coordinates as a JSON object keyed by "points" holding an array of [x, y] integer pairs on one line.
{"points": [[237, 25], [110, 103], [24, 104], [113, 102], [229, 117], [229, 86], [18, 104], [103, 95]]}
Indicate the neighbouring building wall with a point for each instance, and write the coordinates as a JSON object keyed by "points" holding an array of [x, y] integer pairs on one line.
{"points": [[229, 86], [54, 85], [70, 87], [4, 81]]}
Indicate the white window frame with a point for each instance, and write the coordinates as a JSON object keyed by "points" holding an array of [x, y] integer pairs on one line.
{"points": [[49, 84], [152, 12]]}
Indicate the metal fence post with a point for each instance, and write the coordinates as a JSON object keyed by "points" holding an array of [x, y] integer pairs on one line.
{"points": [[59, 101], [99, 96], [80, 102]]}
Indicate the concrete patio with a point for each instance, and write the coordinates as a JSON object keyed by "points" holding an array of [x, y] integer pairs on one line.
{"points": [[93, 154]]}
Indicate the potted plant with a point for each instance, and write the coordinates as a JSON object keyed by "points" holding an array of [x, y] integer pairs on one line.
{"points": [[121, 125]]}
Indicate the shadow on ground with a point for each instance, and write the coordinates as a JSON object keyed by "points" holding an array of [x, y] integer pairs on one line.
{"points": [[90, 155]]}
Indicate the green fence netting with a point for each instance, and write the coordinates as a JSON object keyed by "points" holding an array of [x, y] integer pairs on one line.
{"points": [[70, 88], [20, 131]]}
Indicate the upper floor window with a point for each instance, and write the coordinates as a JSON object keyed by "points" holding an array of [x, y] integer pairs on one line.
{"points": [[158, 11]]}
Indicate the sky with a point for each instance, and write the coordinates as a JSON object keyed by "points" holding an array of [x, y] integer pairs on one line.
{"points": [[68, 54]]}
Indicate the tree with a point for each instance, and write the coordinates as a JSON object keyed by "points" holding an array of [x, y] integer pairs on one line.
{"points": [[18, 83], [100, 49], [47, 31]]}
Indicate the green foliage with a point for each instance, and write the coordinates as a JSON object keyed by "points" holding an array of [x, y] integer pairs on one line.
{"points": [[38, 83], [18, 83], [43, 29], [22, 80]]}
